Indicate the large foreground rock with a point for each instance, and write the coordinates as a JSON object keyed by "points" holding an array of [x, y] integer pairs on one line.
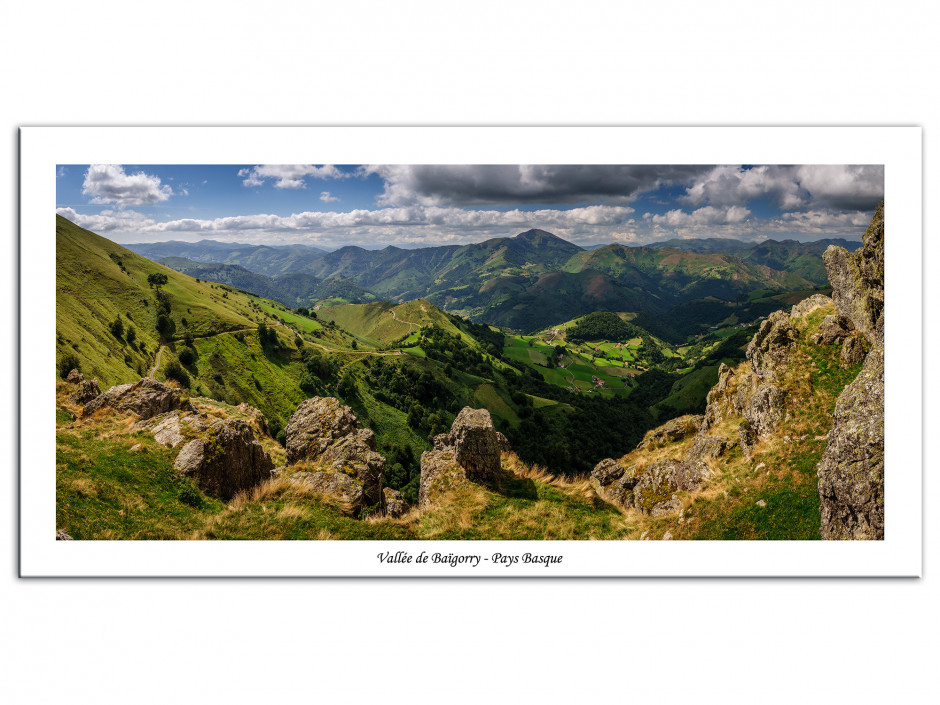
{"points": [[227, 460], [174, 427], [655, 493], [809, 304], [315, 425], [476, 444], [857, 279], [395, 504], [614, 483], [440, 473], [146, 398], [346, 462], [851, 472]]}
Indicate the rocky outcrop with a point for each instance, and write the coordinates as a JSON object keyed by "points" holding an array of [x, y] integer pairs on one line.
{"points": [[315, 425], [765, 409], [809, 304], [655, 493], [833, 330], [747, 439], [174, 427], [671, 431], [255, 418], [326, 433], [613, 483], [471, 450], [718, 403], [74, 377], [770, 347], [146, 398], [851, 471], [857, 279], [395, 504], [439, 473], [853, 351], [226, 460], [476, 446], [708, 446], [87, 390]]}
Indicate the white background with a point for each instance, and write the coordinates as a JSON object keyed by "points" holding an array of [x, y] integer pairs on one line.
{"points": [[819, 62]]}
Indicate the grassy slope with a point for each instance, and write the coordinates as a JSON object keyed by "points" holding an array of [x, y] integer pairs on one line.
{"points": [[92, 290]]}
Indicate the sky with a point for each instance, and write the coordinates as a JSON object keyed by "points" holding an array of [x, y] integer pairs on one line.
{"points": [[374, 206]]}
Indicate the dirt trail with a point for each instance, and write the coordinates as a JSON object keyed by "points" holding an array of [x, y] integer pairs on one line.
{"points": [[156, 365], [395, 316]]}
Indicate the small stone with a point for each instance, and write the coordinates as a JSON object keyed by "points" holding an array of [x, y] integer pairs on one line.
{"points": [[760, 466], [667, 536], [761, 503], [61, 535], [137, 447]]}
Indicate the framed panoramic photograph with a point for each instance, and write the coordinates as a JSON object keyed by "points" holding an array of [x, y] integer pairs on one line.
{"points": [[488, 351]]}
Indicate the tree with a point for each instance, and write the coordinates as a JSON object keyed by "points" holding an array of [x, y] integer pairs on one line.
{"points": [[157, 280], [131, 334], [67, 363], [174, 371], [117, 327]]}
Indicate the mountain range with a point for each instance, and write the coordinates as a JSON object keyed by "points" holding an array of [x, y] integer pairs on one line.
{"points": [[526, 282]]}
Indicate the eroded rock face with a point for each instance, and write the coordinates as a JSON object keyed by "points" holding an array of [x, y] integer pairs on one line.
{"points": [[809, 304], [174, 427], [146, 398], [747, 439], [851, 472], [613, 483], [853, 351], [708, 446], [833, 330], [765, 409], [326, 432], [439, 473], [74, 377], [227, 460], [316, 424], [857, 279], [87, 390], [672, 431], [503, 443], [655, 493], [476, 446], [395, 504], [770, 347]]}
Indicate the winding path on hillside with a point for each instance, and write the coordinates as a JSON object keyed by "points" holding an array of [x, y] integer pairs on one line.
{"points": [[156, 364], [395, 316]]}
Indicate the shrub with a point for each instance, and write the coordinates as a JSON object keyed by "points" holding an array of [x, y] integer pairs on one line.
{"points": [[67, 363], [131, 334], [175, 371], [117, 327], [187, 357]]}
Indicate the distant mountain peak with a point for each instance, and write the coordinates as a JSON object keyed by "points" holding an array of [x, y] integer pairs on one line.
{"points": [[535, 234]]}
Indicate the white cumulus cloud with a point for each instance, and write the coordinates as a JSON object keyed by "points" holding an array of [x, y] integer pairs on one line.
{"points": [[289, 176], [109, 183], [327, 197]]}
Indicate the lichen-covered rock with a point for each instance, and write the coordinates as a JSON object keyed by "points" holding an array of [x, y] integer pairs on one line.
{"points": [[74, 377], [857, 280], [671, 431], [476, 447], [395, 504], [355, 455], [61, 535], [655, 492], [719, 402], [853, 351], [833, 330], [440, 472], [173, 427], [747, 439], [87, 390], [770, 347], [315, 425], [503, 443], [766, 409], [147, 397], [227, 460], [809, 304], [442, 441], [613, 483], [708, 446], [333, 483], [851, 472]]}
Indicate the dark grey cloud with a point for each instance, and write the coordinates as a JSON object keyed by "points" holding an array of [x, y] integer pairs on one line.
{"points": [[441, 185]]}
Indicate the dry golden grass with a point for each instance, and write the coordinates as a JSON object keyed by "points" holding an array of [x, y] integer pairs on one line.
{"points": [[578, 486]]}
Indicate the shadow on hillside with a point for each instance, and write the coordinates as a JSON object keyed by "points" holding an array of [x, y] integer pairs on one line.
{"points": [[508, 485]]}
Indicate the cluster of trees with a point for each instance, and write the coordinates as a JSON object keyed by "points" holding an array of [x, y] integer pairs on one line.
{"points": [[602, 325], [428, 402], [451, 350], [319, 373]]}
